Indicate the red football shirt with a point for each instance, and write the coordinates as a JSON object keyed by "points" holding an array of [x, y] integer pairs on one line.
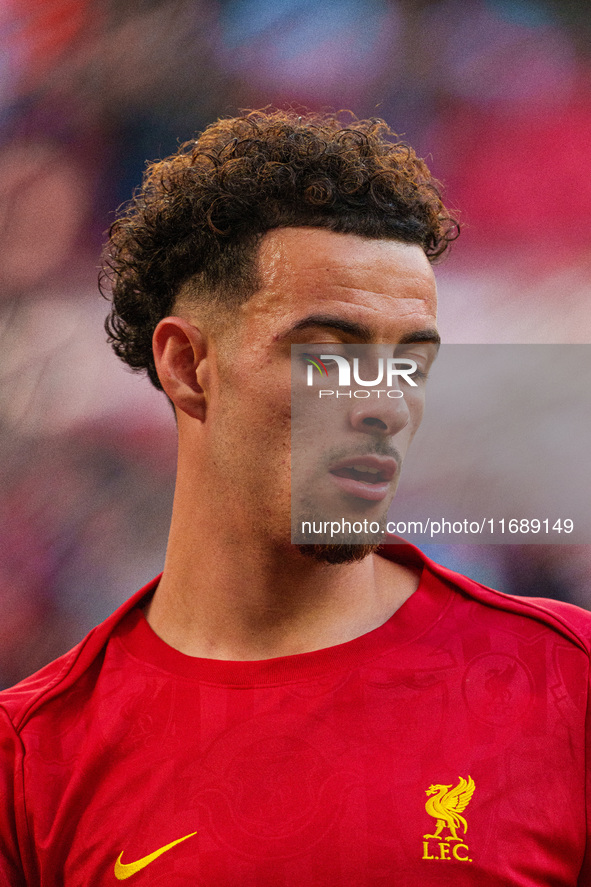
{"points": [[445, 747]]}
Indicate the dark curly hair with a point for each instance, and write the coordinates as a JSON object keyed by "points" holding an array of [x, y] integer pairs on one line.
{"points": [[200, 214]]}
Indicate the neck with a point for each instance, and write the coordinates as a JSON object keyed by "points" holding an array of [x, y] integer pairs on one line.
{"points": [[227, 597]]}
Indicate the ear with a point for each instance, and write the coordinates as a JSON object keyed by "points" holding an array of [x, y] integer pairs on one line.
{"points": [[180, 355]]}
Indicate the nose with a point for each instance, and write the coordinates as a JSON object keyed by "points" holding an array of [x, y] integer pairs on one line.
{"points": [[382, 416]]}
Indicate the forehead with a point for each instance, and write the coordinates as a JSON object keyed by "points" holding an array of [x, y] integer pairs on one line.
{"points": [[386, 285]]}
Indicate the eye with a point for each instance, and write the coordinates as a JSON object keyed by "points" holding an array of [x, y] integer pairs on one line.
{"points": [[423, 355]]}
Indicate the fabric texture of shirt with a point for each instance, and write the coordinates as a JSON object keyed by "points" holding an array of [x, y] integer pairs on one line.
{"points": [[446, 747]]}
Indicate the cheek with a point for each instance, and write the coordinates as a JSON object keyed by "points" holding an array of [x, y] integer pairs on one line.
{"points": [[416, 408], [255, 408], [257, 426]]}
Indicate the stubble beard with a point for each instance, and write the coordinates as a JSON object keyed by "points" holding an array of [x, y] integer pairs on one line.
{"points": [[346, 549], [340, 553]]}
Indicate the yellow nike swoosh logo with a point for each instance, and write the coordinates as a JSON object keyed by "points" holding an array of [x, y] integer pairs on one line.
{"points": [[125, 870]]}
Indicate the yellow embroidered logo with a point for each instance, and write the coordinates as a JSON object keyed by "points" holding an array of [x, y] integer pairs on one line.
{"points": [[125, 870], [446, 804]]}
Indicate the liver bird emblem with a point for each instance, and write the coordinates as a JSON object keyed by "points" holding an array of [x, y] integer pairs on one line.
{"points": [[446, 804]]}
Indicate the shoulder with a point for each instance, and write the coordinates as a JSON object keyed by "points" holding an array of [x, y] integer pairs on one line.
{"points": [[21, 702], [571, 623], [563, 619]]}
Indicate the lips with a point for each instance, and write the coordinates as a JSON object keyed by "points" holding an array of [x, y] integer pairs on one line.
{"points": [[366, 477]]}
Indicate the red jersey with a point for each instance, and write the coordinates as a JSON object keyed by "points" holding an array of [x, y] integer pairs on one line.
{"points": [[446, 747]]}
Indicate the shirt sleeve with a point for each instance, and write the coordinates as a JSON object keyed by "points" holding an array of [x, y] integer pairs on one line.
{"points": [[11, 802], [585, 873]]}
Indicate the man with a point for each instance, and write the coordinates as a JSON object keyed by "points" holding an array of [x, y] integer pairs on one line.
{"points": [[268, 714]]}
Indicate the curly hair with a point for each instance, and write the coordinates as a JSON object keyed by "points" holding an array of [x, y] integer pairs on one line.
{"points": [[200, 214]]}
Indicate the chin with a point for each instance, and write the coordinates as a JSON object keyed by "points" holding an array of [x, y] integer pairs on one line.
{"points": [[345, 553]]}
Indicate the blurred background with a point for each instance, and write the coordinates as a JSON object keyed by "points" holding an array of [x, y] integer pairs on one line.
{"points": [[496, 94]]}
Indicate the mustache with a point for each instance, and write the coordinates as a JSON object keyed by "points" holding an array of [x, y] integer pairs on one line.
{"points": [[373, 448]]}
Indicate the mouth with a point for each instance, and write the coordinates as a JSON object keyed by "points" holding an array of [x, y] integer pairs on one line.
{"points": [[366, 477]]}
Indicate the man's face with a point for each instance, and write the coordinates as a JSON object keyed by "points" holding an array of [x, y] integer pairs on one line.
{"points": [[329, 291]]}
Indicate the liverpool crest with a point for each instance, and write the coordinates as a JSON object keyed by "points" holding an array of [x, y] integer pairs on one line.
{"points": [[446, 804]]}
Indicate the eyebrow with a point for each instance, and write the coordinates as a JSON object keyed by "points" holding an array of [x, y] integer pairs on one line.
{"points": [[359, 330], [429, 335]]}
